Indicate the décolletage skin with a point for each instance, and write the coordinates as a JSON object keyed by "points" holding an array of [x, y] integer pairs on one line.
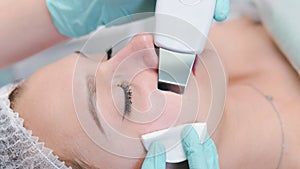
{"points": [[249, 135]]}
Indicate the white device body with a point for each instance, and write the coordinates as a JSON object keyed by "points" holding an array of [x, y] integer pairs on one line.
{"points": [[172, 141], [181, 37]]}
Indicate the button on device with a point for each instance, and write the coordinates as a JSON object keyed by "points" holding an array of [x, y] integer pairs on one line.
{"points": [[190, 2]]}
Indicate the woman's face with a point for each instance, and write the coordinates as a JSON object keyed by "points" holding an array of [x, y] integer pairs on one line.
{"points": [[95, 113]]}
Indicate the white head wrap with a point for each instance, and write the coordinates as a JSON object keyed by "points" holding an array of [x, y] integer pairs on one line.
{"points": [[18, 148]]}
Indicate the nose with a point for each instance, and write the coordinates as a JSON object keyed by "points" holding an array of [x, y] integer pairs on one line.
{"points": [[141, 52]]}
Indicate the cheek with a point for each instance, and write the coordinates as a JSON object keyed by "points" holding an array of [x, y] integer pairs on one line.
{"points": [[121, 137], [152, 110], [97, 157], [158, 111]]}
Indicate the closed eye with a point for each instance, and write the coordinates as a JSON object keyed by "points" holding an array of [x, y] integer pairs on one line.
{"points": [[125, 85]]}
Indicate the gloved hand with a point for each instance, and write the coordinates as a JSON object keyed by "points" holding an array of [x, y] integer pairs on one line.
{"points": [[156, 157], [75, 18], [199, 156]]}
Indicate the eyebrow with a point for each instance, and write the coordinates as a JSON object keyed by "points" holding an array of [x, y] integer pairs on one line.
{"points": [[92, 105], [13, 96], [16, 93]]}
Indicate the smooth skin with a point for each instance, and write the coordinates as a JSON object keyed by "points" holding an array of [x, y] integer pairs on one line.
{"points": [[49, 111], [247, 88], [248, 136], [26, 28]]}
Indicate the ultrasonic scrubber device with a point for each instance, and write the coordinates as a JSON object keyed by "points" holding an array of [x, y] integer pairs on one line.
{"points": [[179, 42], [171, 139]]}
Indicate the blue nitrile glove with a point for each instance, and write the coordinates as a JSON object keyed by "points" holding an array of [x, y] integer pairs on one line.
{"points": [[199, 156], [221, 10], [156, 157], [75, 18]]}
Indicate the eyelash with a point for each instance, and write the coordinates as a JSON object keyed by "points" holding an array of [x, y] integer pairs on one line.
{"points": [[128, 96]]}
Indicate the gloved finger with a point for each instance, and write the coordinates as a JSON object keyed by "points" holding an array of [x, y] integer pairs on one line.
{"points": [[193, 149], [221, 10], [156, 157], [211, 153]]}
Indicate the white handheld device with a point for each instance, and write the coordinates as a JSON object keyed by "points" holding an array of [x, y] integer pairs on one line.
{"points": [[172, 140], [183, 27]]}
